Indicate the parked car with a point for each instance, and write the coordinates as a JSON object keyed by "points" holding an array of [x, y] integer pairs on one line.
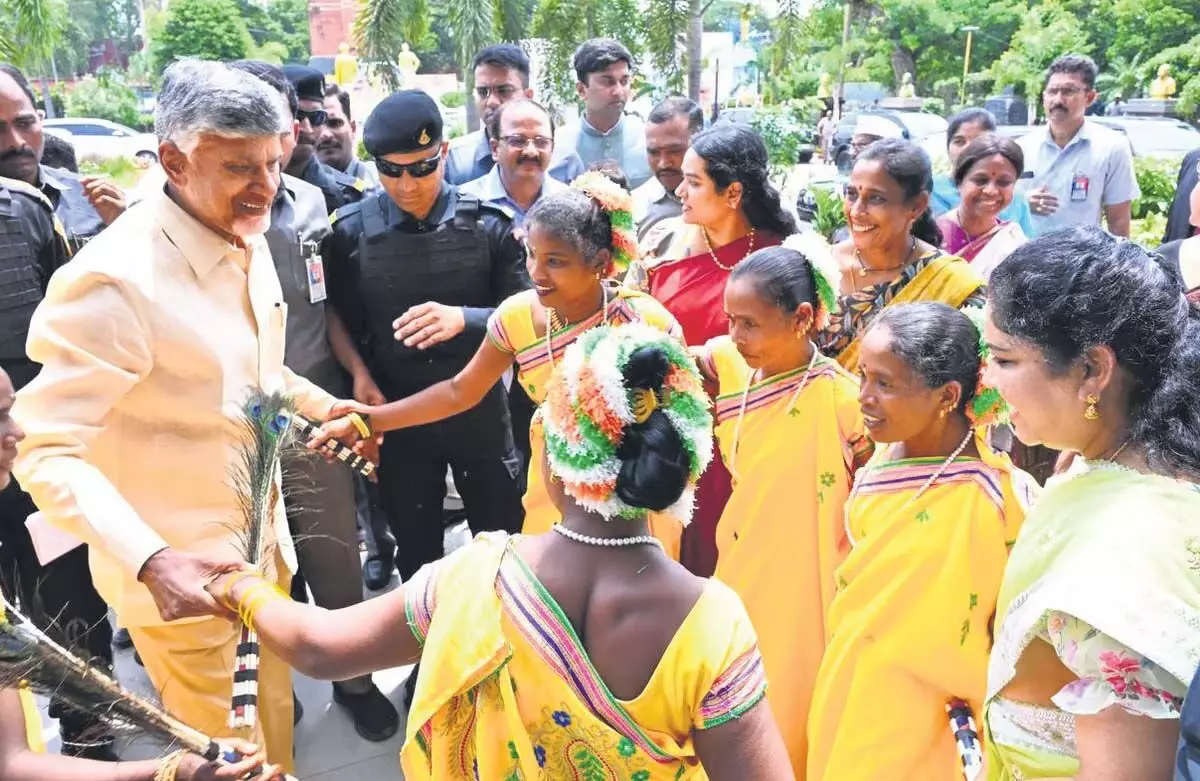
{"points": [[916, 126], [1154, 136], [101, 139]]}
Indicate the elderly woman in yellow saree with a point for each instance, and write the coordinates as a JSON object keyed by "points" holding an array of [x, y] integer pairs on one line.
{"points": [[1097, 351], [792, 436], [573, 239], [930, 518], [892, 256], [584, 652]]}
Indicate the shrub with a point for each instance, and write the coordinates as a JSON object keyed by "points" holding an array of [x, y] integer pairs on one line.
{"points": [[1156, 178], [105, 96], [453, 99]]}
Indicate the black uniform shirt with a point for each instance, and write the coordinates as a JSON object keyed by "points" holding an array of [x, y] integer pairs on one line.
{"points": [[79, 218], [31, 249], [508, 256], [338, 188]]}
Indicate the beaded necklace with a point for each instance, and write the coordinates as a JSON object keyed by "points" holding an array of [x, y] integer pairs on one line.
{"points": [[715, 259], [553, 324], [606, 542], [928, 483], [737, 427]]}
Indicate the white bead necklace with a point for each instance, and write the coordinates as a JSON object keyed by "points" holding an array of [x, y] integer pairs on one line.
{"points": [[607, 542], [552, 321], [737, 427], [928, 483]]}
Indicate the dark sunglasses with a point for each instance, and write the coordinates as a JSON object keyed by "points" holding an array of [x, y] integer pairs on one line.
{"points": [[315, 118], [417, 170]]}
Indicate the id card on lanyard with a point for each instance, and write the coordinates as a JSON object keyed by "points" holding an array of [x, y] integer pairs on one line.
{"points": [[314, 271]]}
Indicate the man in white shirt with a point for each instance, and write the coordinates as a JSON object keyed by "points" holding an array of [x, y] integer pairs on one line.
{"points": [[604, 68], [1081, 171], [150, 340], [669, 131], [522, 140]]}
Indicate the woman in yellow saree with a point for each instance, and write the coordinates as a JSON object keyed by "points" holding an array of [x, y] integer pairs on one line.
{"points": [[1097, 351], [584, 652], [792, 436], [573, 240], [893, 255], [930, 518]]}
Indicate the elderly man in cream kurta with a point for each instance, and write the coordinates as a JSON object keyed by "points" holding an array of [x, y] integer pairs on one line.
{"points": [[150, 340]]}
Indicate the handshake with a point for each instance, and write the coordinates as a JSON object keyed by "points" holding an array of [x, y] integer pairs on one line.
{"points": [[346, 436]]}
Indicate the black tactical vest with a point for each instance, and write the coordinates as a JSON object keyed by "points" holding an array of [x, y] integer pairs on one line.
{"points": [[449, 265], [20, 286]]}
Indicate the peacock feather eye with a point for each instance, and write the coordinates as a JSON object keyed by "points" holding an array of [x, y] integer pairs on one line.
{"points": [[279, 424]]}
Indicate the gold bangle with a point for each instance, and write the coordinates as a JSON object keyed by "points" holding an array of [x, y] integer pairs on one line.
{"points": [[227, 591], [168, 769], [361, 423]]}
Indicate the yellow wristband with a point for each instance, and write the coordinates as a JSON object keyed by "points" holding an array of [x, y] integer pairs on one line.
{"points": [[168, 769], [360, 423], [227, 591]]}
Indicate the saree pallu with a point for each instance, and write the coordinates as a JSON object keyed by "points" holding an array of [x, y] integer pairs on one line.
{"points": [[1110, 558], [692, 288], [507, 691], [780, 539], [910, 625], [935, 276], [511, 330], [985, 252]]}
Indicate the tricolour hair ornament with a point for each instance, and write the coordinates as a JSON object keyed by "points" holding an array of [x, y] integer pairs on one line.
{"points": [[589, 408], [988, 407], [618, 204], [819, 254]]}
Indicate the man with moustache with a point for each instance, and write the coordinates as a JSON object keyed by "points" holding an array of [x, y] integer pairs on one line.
{"points": [[149, 339], [339, 188], [84, 205], [415, 270], [337, 137], [669, 131], [501, 75], [604, 68], [522, 141], [1082, 171]]}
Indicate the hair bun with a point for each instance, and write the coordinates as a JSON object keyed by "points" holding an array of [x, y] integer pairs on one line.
{"points": [[655, 464]]}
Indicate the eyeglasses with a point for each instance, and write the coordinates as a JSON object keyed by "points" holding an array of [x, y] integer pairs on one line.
{"points": [[417, 170], [1066, 92], [541, 143], [502, 91], [315, 118]]}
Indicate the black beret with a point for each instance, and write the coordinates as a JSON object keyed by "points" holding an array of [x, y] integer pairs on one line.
{"points": [[309, 83], [405, 121]]}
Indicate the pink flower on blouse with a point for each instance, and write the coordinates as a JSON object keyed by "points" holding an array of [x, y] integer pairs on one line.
{"points": [[1116, 663]]}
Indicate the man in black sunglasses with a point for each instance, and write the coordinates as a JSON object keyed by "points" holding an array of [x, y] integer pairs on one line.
{"points": [[339, 188], [415, 270]]}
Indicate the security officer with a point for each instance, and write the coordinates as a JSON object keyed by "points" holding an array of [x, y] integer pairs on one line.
{"points": [[417, 250], [309, 110], [60, 594], [320, 504], [84, 206]]}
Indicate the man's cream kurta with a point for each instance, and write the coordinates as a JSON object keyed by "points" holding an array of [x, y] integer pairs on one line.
{"points": [[150, 340]]}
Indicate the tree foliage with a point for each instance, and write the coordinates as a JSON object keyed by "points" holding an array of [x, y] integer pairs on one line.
{"points": [[30, 29], [210, 29], [105, 96]]}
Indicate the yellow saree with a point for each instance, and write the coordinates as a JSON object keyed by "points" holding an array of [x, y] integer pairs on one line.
{"points": [[33, 720], [507, 691], [934, 277], [511, 330], [910, 625], [780, 538]]}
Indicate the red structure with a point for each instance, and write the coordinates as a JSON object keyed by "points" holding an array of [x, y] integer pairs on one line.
{"points": [[329, 24]]}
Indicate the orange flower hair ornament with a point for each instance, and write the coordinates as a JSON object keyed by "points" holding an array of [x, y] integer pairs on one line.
{"points": [[618, 204], [589, 408]]}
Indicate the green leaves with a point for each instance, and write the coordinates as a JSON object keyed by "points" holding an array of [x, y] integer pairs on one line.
{"points": [[381, 26], [30, 29], [209, 29]]}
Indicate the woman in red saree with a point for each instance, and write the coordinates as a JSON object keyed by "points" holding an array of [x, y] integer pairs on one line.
{"points": [[729, 210]]}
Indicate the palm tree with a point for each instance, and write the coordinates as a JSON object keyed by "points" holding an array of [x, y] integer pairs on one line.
{"points": [[29, 31], [1123, 77]]}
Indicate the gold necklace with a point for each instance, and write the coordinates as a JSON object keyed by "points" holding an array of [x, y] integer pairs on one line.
{"points": [[737, 427], [554, 324], [862, 267], [711, 251]]}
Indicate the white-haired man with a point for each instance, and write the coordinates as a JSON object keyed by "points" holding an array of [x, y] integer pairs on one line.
{"points": [[149, 341]]}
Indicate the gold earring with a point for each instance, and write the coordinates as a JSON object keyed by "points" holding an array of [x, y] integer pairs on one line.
{"points": [[1092, 412], [942, 413]]}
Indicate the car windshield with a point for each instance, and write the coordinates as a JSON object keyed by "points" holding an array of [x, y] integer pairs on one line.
{"points": [[923, 125]]}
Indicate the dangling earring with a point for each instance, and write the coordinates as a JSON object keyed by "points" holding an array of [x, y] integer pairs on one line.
{"points": [[942, 413], [1092, 412]]}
